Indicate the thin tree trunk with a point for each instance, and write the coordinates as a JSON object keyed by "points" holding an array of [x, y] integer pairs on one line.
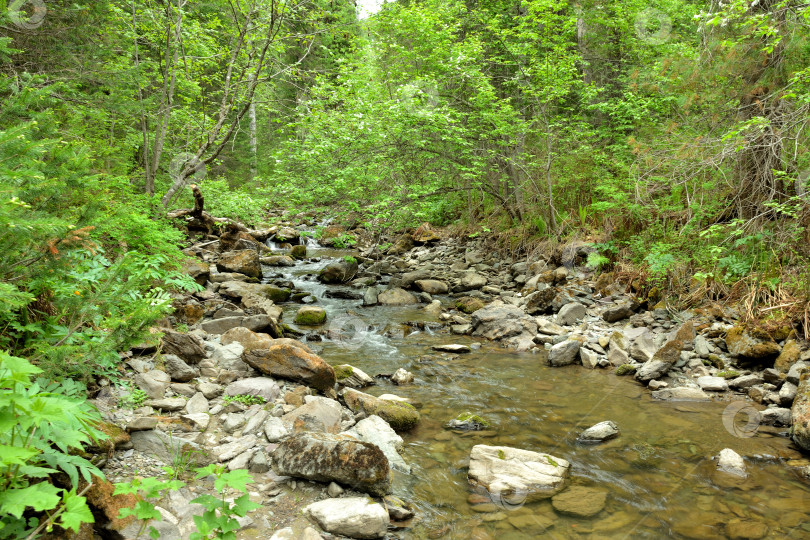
{"points": [[254, 159], [169, 81], [149, 180]]}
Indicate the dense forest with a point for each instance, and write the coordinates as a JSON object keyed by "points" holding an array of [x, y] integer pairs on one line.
{"points": [[670, 137]]}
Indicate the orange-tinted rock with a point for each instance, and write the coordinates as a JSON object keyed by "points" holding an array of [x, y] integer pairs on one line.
{"points": [[291, 359]]}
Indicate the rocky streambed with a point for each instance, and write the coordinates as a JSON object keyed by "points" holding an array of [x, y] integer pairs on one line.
{"points": [[442, 391]]}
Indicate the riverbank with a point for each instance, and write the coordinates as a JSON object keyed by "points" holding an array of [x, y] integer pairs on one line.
{"points": [[523, 355]]}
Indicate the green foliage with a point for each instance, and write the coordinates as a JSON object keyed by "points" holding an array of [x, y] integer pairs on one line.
{"points": [[219, 520], [596, 260], [242, 204], [149, 490], [349, 259], [244, 399], [84, 275], [134, 399], [660, 261], [43, 428], [344, 241]]}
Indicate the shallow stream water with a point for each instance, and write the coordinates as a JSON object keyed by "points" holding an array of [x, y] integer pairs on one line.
{"points": [[659, 473]]}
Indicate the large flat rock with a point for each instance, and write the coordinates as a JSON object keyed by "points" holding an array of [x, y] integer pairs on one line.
{"points": [[515, 474]]}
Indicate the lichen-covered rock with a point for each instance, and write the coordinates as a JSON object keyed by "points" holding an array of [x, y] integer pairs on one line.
{"points": [[800, 413], [290, 359], [310, 316], [376, 431], [243, 261], [400, 415], [116, 437], [327, 457], [512, 473], [751, 343]]}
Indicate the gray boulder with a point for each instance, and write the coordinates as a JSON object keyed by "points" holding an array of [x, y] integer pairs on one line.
{"points": [[564, 353], [571, 314], [600, 432], [355, 517]]}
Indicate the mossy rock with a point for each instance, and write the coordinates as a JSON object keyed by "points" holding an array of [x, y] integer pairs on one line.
{"points": [[469, 305], [716, 361], [298, 252], [400, 416], [790, 354], [468, 421], [343, 372], [626, 369], [728, 374], [276, 294], [310, 316], [114, 437]]}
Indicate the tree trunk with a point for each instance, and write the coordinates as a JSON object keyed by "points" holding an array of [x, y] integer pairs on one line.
{"points": [[254, 160]]}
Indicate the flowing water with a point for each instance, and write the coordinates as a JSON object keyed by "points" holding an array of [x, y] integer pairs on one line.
{"points": [[658, 472]]}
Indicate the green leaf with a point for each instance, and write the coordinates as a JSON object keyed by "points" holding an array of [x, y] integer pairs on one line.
{"points": [[40, 497], [243, 505], [75, 513], [14, 455]]}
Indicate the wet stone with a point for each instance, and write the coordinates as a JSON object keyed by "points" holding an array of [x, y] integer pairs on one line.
{"points": [[580, 501]]}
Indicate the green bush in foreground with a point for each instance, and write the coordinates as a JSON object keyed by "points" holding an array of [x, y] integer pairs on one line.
{"points": [[43, 428]]}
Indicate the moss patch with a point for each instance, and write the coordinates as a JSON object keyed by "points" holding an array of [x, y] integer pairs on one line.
{"points": [[400, 415], [343, 372], [308, 316], [728, 374], [468, 304], [626, 369]]}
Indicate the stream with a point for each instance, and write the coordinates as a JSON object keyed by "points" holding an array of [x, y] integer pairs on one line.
{"points": [[659, 473]]}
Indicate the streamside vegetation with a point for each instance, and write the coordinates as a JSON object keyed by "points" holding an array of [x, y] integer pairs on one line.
{"points": [[672, 136]]}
